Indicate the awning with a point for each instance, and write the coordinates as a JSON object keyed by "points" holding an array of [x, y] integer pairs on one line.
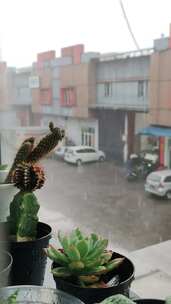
{"points": [[155, 131]]}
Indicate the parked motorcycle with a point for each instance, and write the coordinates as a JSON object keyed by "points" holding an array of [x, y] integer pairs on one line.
{"points": [[139, 167]]}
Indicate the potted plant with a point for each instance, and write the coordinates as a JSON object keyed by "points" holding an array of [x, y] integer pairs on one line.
{"points": [[85, 268], [26, 235]]}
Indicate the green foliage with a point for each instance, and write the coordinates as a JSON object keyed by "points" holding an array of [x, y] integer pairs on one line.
{"points": [[23, 216], [168, 300], [3, 167], [11, 299], [85, 257], [117, 299]]}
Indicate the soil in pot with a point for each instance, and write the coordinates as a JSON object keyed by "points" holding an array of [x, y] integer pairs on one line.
{"points": [[5, 267], [125, 273], [29, 259]]}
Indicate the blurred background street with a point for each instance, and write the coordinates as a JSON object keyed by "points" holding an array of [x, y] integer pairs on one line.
{"points": [[96, 197]]}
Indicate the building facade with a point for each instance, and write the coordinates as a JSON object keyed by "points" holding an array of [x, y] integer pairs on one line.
{"points": [[160, 98], [121, 93]]}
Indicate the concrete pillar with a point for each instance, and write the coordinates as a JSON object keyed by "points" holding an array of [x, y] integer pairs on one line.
{"points": [[125, 139]]}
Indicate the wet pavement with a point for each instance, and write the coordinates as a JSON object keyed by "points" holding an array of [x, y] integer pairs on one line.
{"points": [[96, 197]]}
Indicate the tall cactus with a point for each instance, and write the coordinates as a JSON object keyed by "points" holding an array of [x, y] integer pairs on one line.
{"points": [[28, 153], [46, 145], [28, 177], [22, 154]]}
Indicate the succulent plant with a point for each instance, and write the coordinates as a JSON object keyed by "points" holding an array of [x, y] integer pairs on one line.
{"points": [[84, 257], [28, 176]]}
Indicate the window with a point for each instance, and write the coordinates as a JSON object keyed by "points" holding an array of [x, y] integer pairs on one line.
{"points": [[108, 89], [68, 97], [90, 151], [167, 179], [81, 151], [88, 137], [142, 88]]}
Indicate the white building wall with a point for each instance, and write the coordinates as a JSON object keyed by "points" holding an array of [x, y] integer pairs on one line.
{"points": [[73, 127], [8, 119]]}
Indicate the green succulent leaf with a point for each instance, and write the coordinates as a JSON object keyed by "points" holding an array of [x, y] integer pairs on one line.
{"points": [[73, 253], [114, 264], [77, 265], [64, 241], [61, 272], [79, 234], [96, 270], [89, 279], [94, 237], [93, 263], [83, 247], [106, 256], [57, 256]]}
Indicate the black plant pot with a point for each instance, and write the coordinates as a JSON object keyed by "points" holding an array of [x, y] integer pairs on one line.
{"points": [[94, 295], [29, 259]]}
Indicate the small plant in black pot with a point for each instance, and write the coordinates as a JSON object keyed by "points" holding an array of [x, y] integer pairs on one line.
{"points": [[26, 235], [85, 268]]}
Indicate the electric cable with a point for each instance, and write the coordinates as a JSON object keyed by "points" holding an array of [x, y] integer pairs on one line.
{"points": [[128, 25]]}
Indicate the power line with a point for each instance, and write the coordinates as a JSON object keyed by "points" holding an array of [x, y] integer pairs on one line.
{"points": [[128, 25]]}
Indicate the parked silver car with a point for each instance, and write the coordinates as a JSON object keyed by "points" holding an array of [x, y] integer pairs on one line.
{"points": [[159, 183], [83, 154]]}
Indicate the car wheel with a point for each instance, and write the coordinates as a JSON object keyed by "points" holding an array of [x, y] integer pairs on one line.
{"points": [[168, 195], [101, 158], [79, 162]]}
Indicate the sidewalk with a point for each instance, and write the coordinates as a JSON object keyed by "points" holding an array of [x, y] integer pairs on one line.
{"points": [[152, 264]]}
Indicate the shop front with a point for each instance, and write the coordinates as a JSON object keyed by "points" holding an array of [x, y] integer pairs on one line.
{"points": [[160, 139]]}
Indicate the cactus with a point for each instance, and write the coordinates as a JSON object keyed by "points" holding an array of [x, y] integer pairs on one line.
{"points": [[47, 144], [24, 207], [22, 154], [84, 257], [30, 154], [28, 177], [23, 217]]}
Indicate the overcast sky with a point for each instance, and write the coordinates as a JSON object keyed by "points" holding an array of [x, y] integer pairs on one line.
{"points": [[31, 26]]}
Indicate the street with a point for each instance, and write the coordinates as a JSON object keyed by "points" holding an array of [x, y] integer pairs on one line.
{"points": [[96, 197]]}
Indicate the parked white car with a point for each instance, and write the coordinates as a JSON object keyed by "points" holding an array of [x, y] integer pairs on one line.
{"points": [[60, 152], [159, 183], [82, 154]]}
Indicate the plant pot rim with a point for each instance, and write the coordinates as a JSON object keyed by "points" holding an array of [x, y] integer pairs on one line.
{"points": [[22, 243], [9, 264], [109, 288], [37, 287]]}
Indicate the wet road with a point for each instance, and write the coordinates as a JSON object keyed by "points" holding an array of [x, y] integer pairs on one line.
{"points": [[97, 197]]}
